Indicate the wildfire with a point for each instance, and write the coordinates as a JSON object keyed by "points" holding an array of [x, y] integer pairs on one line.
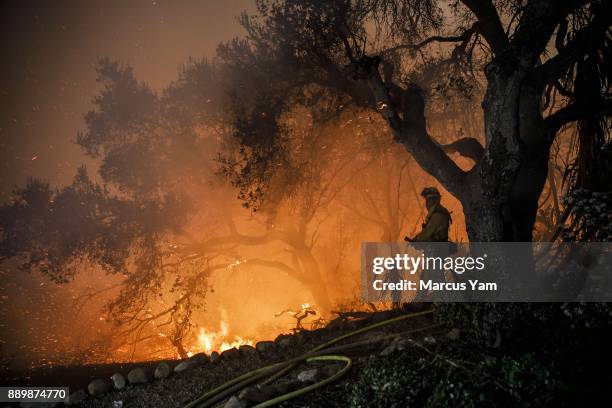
{"points": [[209, 341]]}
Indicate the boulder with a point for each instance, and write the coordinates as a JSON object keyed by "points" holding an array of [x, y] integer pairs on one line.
{"points": [[196, 360], [429, 340], [264, 346], [162, 370], [230, 354], [215, 357], [235, 402], [118, 381], [187, 365], [200, 358], [308, 375], [255, 395], [391, 347], [138, 376], [98, 387], [285, 342], [184, 366], [453, 334], [247, 349]]}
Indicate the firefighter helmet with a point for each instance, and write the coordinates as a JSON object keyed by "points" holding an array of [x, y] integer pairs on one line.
{"points": [[430, 192]]}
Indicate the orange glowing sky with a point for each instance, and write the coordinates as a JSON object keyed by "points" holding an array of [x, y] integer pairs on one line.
{"points": [[47, 76]]}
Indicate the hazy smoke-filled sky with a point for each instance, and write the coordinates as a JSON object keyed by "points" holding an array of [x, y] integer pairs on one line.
{"points": [[47, 78]]}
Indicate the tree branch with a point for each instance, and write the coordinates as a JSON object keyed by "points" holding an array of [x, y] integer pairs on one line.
{"points": [[491, 27], [464, 37], [467, 147], [409, 129], [576, 111], [585, 40], [537, 24]]}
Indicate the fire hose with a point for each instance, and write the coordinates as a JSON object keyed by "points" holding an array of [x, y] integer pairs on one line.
{"points": [[272, 372]]}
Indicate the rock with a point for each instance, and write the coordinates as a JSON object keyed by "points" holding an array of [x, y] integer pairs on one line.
{"points": [[195, 361], [264, 346], [230, 354], [235, 402], [77, 397], [387, 350], [184, 366], [138, 376], [429, 340], [453, 334], [118, 404], [285, 342], [306, 334], [118, 381], [162, 370], [215, 357], [255, 394], [98, 387], [404, 344], [308, 375], [200, 358], [247, 349], [391, 347]]}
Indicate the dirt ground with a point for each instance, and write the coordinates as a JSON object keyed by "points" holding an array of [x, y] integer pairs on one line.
{"points": [[180, 388]]}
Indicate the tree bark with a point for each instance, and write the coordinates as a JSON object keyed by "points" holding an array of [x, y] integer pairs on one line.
{"points": [[501, 200], [500, 194]]}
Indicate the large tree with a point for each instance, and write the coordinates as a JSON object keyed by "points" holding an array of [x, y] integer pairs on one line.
{"points": [[543, 64], [162, 217]]}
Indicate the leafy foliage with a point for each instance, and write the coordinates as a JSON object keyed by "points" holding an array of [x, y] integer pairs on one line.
{"points": [[416, 379], [54, 231], [508, 355]]}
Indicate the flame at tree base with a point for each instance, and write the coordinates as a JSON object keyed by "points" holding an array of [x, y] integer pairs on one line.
{"points": [[219, 341]]}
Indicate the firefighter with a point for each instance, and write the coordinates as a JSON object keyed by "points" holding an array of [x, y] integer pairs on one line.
{"points": [[434, 229], [438, 219]]}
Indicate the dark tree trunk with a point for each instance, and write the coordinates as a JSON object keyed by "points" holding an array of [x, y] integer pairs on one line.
{"points": [[503, 189], [500, 194], [486, 200]]}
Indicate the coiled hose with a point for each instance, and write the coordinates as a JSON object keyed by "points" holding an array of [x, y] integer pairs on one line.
{"points": [[272, 372]]}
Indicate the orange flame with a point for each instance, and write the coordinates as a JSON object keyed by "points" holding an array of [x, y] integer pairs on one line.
{"points": [[209, 341]]}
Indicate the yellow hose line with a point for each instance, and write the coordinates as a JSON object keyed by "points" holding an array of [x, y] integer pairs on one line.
{"points": [[246, 378], [242, 381], [305, 390], [347, 335]]}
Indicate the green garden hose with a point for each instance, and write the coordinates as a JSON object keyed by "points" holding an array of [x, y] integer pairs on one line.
{"points": [[347, 335], [304, 390], [275, 371]]}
